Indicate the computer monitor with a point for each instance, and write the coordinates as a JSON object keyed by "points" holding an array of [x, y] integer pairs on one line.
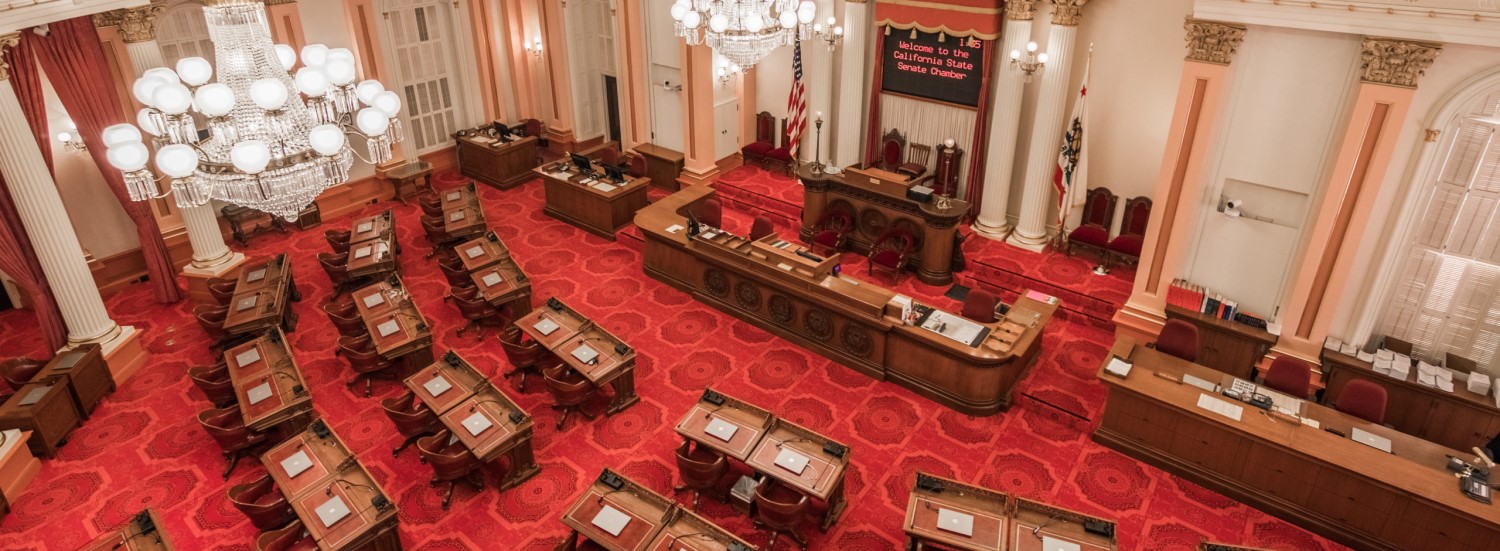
{"points": [[614, 173], [501, 130], [583, 163]]}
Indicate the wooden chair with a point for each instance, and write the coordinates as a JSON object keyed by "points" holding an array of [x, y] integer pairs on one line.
{"points": [[783, 153], [637, 163], [368, 364], [1126, 247], [431, 204], [478, 312], [215, 383], [451, 462], [294, 537], [1092, 232], [832, 228], [892, 151], [890, 250], [781, 510], [211, 320], [260, 501], [765, 139], [227, 427], [437, 234], [525, 355], [455, 276], [980, 306], [348, 322], [1178, 338], [569, 390], [20, 370], [701, 469], [336, 266], [413, 419], [917, 157]]}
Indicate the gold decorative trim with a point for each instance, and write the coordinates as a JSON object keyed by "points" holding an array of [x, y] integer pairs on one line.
{"points": [[1020, 10], [109, 18], [1212, 41], [938, 29], [6, 42], [1431, 135], [1067, 12], [1395, 62], [940, 6], [279, 2]]}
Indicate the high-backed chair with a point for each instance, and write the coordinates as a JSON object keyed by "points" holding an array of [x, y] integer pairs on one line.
{"points": [[1127, 246], [534, 128], [980, 306], [211, 319], [456, 277], [1289, 376], [431, 204], [1179, 338], [450, 461], [20, 370], [1092, 232], [259, 500], [348, 322], [368, 364], [761, 227], [569, 391], [413, 419], [890, 250], [782, 154], [832, 229], [637, 163], [765, 138], [338, 240], [781, 510], [525, 355], [710, 212], [215, 383], [1397, 345], [917, 157], [701, 469], [293, 537], [336, 265], [892, 151], [478, 312], [222, 289], [227, 427], [1363, 399]]}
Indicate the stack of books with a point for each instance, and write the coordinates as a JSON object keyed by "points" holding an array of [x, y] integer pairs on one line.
{"points": [[1191, 296]]}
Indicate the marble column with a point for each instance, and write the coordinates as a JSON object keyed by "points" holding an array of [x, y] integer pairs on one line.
{"points": [[1005, 120], [1037, 204], [1181, 180], [846, 135], [1388, 82]]}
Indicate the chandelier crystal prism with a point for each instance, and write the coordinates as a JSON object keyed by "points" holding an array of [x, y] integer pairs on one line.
{"points": [[272, 140], [743, 31]]}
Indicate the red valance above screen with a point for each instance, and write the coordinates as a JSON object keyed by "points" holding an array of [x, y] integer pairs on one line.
{"points": [[978, 18]]}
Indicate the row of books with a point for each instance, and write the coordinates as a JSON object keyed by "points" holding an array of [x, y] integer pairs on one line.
{"points": [[1191, 296]]}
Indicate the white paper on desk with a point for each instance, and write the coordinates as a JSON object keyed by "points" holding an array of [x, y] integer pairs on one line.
{"points": [[390, 326], [956, 522], [258, 393], [1118, 367], [1050, 543], [1370, 439], [247, 303], [954, 327], [362, 252], [1202, 384], [611, 520], [367, 226], [491, 279], [256, 275], [721, 429], [563, 175], [247, 357], [603, 187], [674, 228], [709, 235], [1333, 343], [1220, 407], [545, 327], [1348, 349], [584, 353], [785, 266], [1311, 422], [296, 463], [373, 299], [474, 251], [437, 385], [1365, 356], [1385, 354], [381, 248], [791, 461], [332, 511], [477, 423], [453, 195], [456, 216], [1479, 383]]}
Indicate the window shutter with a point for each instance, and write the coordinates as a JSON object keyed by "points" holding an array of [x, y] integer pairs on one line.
{"points": [[422, 36]]}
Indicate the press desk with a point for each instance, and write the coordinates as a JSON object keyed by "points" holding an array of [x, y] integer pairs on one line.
{"points": [[268, 362], [334, 473], [648, 512], [855, 323], [265, 299], [396, 326], [1458, 419], [1342, 489], [86, 375], [574, 331], [456, 392], [143, 532], [372, 247], [662, 165], [597, 211], [501, 165]]}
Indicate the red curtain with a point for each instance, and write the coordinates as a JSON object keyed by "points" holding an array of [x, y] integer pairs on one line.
{"points": [[17, 257], [872, 140], [978, 152], [71, 53]]}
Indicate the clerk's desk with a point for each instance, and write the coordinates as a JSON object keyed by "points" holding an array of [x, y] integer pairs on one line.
{"points": [[593, 204], [1336, 487], [856, 323], [1458, 419]]}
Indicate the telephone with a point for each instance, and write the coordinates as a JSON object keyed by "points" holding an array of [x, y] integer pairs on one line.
{"points": [[1475, 487]]}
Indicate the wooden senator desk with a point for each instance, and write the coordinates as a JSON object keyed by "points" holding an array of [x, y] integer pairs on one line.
{"points": [[750, 424], [575, 331], [587, 206], [262, 298], [1458, 419], [86, 375], [877, 200], [932, 494], [855, 323], [46, 409], [458, 197], [372, 246], [488, 422], [686, 531], [481, 251], [1336, 487], [143, 532], [329, 479], [396, 326], [647, 513], [1228, 346], [502, 165], [463, 219], [268, 384], [497, 276]]}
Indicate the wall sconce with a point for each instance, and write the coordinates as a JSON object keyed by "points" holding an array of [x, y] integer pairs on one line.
{"points": [[727, 71], [71, 139], [1034, 61], [832, 33], [535, 47]]}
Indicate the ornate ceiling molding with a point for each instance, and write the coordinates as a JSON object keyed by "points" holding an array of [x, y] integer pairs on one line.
{"points": [[1067, 12], [1473, 22], [6, 42], [1396, 62], [1020, 10], [1212, 41], [279, 2]]}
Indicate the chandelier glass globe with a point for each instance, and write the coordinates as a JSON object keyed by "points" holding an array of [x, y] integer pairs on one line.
{"points": [[743, 31]]}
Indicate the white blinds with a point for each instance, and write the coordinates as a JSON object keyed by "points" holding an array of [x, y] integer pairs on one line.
{"points": [[929, 123], [421, 35], [1447, 299], [182, 32]]}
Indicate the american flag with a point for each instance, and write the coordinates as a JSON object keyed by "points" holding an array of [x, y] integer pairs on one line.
{"points": [[796, 105]]}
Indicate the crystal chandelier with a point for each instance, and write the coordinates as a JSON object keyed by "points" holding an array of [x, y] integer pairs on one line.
{"points": [[744, 31], [263, 147]]}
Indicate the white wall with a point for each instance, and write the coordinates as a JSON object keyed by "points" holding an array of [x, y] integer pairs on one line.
{"points": [[663, 64], [102, 226], [326, 23]]}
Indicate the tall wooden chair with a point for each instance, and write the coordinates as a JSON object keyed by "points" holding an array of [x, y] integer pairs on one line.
{"points": [[917, 157], [1092, 232], [765, 139], [1126, 247]]}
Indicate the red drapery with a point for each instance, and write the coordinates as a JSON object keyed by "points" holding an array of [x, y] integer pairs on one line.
{"points": [[980, 19], [17, 257], [977, 153], [71, 53], [872, 139]]}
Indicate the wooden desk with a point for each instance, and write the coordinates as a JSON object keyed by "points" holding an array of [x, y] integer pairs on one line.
{"points": [[1033, 520], [610, 367], [499, 165], [648, 512], [245, 222], [375, 226], [822, 478], [686, 531], [143, 532], [751, 424], [1227, 346], [856, 323], [372, 247], [989, 508], [410, 179], [471, 394], [504, 285], [463, 218], [877, 200], [265, 302], [597, 211], [481, 251], [396, 326], [45, 409], [1344, 490], [459, 196], [662, 165], [266, 363], [1458, 419], [334, 474], [85, 373]]}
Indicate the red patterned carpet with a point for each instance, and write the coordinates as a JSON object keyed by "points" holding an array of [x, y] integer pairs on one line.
{"points": [[143, 447]]}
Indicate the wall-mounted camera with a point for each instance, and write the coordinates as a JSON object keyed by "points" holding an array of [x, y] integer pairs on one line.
{"points": [[1232, 207], [668, 86]]}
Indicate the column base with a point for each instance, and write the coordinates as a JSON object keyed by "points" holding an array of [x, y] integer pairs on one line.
{"points": [[690, 177], [1141, 324], [197, 278], [125, 354], [997, 233], [17, 465], [1033, 244]]}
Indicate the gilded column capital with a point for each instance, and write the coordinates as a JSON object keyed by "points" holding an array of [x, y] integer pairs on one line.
{"points": [[1067, 12], [1395, 62], [1020, 10], [136, 24], [1212, 41], [7, 41]]}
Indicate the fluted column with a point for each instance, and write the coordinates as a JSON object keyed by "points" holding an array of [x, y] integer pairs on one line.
{"points": [[1046, 128], [847, 135], [41, 210], [1005, 120]]}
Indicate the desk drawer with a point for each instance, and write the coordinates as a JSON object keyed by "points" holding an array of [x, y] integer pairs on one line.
{"points": [[1209, 446], [1354, 502]]}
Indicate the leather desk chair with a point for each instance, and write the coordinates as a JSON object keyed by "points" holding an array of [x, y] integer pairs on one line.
{"points": [[569, 390], [1290, 376], [259, 500], [211, 320], [20, 370], [354, 343], [229, 430], [336, 265], [478, 312], [437, 234], [761, 227], [980, 306], [294, 537], [215, 383], [467, 291], [348, 322], [710, 212], [1363, 399], [701, 470], [222, 289], [525, 355], [338, 240], [413, 419], [456, 275], [431, 203], [450, 260], [637, 166], [781, 510], [1180, 339], [368, 364], [451, 462]]}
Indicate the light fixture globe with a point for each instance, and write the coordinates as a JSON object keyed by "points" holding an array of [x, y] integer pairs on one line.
{"points": [[195, 71], [314, 55], [214, 100], [388, 103], [743, 31], [366, 91], [172, 98], [146, 123], [326, 139], [250, 156], [163, 73], [340, 71], [268, 93], [286, 56], [312, 82], [176, 161], [144, 89], [120, 134], [128, 157], [372, 121]]}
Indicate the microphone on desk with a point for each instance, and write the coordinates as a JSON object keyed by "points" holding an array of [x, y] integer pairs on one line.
{"points": [[1035, 532]]}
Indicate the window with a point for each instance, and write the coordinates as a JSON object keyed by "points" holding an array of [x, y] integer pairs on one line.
{"points": [[182, 32], [1447, 297], [421, 35]]}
